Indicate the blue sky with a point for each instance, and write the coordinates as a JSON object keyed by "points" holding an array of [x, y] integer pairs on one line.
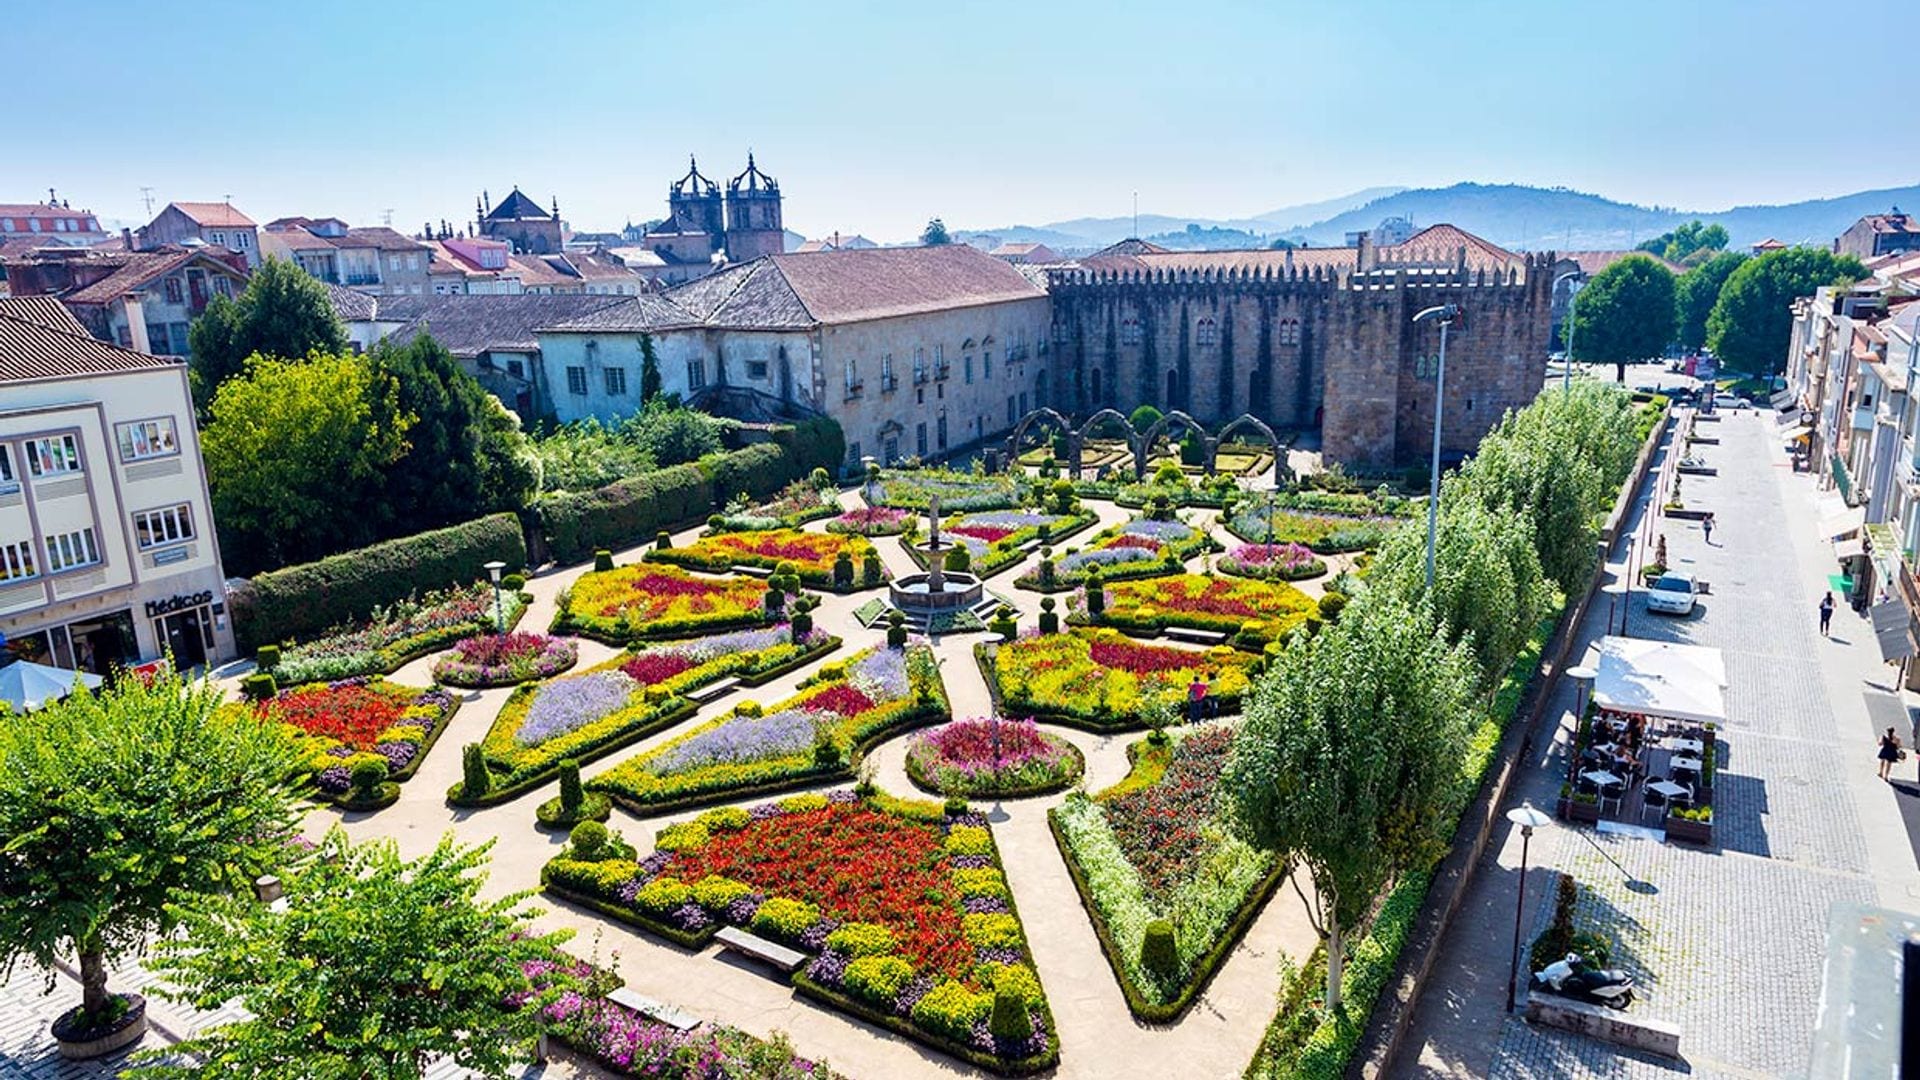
{"points": [[876, 116]]}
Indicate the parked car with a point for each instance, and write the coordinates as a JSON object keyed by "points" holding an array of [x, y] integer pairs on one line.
{"points": [[1672, 593], [1731, 401]]}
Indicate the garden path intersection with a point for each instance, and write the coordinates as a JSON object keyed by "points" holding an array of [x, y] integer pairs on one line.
{"points": [[1727, 941]]}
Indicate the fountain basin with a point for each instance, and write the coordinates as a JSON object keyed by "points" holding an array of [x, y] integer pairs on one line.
{"points": [[914, 592]]}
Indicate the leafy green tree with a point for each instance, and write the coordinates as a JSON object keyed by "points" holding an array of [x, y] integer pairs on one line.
{"points": [[1348, 757], [374, 967], [1625, 314], [297, 455], [115, 806], [673, 435], [1694, 295], [1689, 244], [283, 313], [586, 454], [466, 455], [935, 234], [1143, 418], [1752, 320], [650, 384]]}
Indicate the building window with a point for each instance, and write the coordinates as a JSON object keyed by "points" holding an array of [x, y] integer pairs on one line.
{"points": [[920, 439], [144, 439], [966, 364], [577, 380], [167, 525], [1011, 414], [242, 241], [53, 455], [940, 431], [1290, 332], [986, 365], [853, 453], [616, 382], [173, 293], [223, 287], [16, 561], [919, 365], [516, 369], [218, 239], [1207, 332], [887, 382], [1129, 331], [68, 550], [696, 374], [8, 482], [756, 369]]}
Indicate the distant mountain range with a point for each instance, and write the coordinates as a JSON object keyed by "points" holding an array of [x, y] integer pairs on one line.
{"points": [[1511, 215]]}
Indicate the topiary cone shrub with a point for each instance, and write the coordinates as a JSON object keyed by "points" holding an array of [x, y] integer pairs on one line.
{"points": [[1159, 954], [775, 600], [475, 779], [268, 658], [1096, 594], [1003, 623], [843, 571], [663, 541], [801, 624], [870, 571], [603, 560], [1008, 1021], [896, 630], [572, 795]]}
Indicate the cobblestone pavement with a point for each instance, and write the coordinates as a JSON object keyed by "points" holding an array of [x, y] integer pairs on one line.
{"points": [[1727, 941]]}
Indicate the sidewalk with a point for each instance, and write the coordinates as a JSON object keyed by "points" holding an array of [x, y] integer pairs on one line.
{"points": [[1726, 941]]}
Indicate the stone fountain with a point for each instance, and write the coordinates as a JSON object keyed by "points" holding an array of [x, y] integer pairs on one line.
{"points": [[937, 590]]}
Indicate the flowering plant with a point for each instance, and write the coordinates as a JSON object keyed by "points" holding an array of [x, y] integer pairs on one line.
{"points": [[1258, 610], [356, 719], [911, 489], [792, 506], [1273, 562], [991, 756], [390, 636], [870, 521], [505, 659], [813, 554], [1136, 548], [628, 602], [1101, 677], [1327, 534]]}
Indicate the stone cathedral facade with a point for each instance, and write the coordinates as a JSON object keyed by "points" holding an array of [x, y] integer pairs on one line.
{"points": [[1308, 340]]}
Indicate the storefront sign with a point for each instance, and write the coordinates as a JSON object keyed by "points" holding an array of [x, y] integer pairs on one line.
{"points": [[156, 608], [169, 555]]}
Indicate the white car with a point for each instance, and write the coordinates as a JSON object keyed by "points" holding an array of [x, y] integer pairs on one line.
{"points": [[1729, 401], [1672, 593]]}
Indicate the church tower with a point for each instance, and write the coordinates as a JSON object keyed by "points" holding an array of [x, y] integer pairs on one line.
{"points": [[694, 205], [753, 215]]}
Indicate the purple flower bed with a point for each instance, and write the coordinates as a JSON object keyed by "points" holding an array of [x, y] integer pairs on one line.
{"points": [[1106, 557], [881, 675], [741, 739], [571, 704]]}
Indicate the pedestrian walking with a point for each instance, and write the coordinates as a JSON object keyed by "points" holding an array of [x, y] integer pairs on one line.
{"points": [[1890, 752], [1706, 526], [1196, 699], [1826, 615]]}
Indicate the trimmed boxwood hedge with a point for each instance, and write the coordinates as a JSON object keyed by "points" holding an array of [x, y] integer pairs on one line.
{"points": [[306, 600], [634, 510]]}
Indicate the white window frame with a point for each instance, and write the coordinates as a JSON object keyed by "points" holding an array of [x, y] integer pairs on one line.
{"points": [[160, 434], [616, 375], [72, 550], [163, 526], [68, 456], [18, 561], [576, 380]]}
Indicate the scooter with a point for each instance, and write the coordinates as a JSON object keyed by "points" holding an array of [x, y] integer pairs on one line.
{"points": [[1572, 977]]}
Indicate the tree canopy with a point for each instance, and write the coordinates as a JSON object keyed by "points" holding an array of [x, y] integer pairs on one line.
{"points": [[115, 806], [297, 454], [283, 313], [1695, 293], [1689, 244], [1624, 314], [374, 966], [1752, 319], [935, 234]]}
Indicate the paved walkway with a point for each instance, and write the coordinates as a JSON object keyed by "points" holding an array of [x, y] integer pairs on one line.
{"points": [[1099, 1037], [1726, 941]]}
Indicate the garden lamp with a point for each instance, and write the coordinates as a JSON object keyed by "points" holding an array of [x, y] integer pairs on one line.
{"points": [[499, 614], [1528, 819]]}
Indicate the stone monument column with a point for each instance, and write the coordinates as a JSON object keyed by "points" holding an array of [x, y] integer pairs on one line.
{"points": [[936, 566]]}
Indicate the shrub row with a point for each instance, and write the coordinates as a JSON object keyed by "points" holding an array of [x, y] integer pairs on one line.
{"points": [[634, 510], [302, 601]]}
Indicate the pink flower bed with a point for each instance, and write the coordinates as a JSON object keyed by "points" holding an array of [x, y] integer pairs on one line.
{"points": [[505, 659], [987, 756]]}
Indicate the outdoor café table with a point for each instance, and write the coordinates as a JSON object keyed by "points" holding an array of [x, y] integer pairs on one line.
{"points": [[1690, 747], [1600, 778], [1607, 748], [1670, 791], [1685, 764]]}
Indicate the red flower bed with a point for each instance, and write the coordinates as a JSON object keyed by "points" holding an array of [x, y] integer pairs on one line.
{"points": [[768, 547], [1129, 540], [841, 699], [858, 865], [987, 533], [648, 668], [356, 715], [498, 650], [1143, 659], [1160, 826]]}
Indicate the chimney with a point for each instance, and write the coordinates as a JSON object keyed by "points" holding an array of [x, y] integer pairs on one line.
{"points": [[126, 237], [1363, 248], [136, 315]]}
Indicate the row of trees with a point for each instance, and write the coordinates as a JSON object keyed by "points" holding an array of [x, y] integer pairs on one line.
{"points": [[1735, 305], [1350, 761], [145, 813]]}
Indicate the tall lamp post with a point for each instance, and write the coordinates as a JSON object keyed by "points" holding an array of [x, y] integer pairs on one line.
{"points": [[1528, 819], [1573, 299], [499, 614], [1446, 313]]}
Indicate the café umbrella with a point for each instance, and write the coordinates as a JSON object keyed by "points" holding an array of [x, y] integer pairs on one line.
{"points": [[26, 685]]}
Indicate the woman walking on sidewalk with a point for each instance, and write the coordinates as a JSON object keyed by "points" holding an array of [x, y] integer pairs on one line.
{"points": [[1826, 615], [1889, 752], [1706, 527]]}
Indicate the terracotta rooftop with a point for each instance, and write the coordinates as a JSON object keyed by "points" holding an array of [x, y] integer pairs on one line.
{"points": [[44, 310], [857, 284], [213, 214], [30, 352], [471, 325], [142, 267], [1437, 245], [1895, 222]]}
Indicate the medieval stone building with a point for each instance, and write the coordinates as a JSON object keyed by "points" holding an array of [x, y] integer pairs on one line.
{"points": [[519, 221], [702, 230], [1308, 340]]}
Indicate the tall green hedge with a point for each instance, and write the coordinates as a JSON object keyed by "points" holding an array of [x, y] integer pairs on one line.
{"points": [[300, 601], [631, 511]]}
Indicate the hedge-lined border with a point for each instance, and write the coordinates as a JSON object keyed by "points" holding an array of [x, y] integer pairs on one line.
{"points": [[920, 780], [419, 645], [986, 665], [1082, 521], [566, 623], [814, 579], [489, 684], [1318, 549], [406, 772]]}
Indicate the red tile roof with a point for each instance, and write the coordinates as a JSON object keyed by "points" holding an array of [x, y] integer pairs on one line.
{"points": [[857, 284], [30, 352], [44, 310], [213, 214], [1441, 244]]}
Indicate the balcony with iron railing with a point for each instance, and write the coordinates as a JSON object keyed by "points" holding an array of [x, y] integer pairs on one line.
{"points": [[919, 376], [889, 382], [855, 390], [942, 370]]}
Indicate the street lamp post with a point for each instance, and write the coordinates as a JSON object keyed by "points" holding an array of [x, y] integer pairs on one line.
{"points": [[1446, 313], [1528, 819], [1573, 299], [499, 614]]}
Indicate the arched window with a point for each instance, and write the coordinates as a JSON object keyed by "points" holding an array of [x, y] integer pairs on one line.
{"points": [[1129, 331], [1290, 332], [1207, 332]]}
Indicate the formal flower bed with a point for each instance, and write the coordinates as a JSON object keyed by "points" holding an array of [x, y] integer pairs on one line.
{"points": [[1327, 534], [627, 698], [1255, 611], [1097, 677], [911, 489], [391, 636], [361, 719], [871, 521], [1152, 848], [789, 508], [1272, 562], [995, 538], [819, 733], [645, 600], [504, 659], [904, 909], [812, 553], [989, 757], [1135, 549]]}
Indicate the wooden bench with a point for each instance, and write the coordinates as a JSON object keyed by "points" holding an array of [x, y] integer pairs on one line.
{"points": [[712, 691], [737, 940], [654, 1010], [1197, 637]]}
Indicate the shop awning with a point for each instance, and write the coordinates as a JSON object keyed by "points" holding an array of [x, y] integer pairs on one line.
{"points": [[1795, 433], [1849, 548], [1837, 520], [1660, 678]]}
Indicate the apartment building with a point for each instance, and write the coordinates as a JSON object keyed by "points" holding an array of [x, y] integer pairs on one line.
{"points": [[217, 224], [107, 549]]}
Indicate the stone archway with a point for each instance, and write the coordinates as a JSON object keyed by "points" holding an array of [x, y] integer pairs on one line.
{"points": [[1118, 417], [1261, 426], [1159, 428], [1060, 422]]}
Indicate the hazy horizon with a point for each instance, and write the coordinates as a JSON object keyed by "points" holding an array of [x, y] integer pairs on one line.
{"points": [[875, 119]]}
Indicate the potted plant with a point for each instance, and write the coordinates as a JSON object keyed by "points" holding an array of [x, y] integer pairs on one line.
{"points": [[1693, 824], [1584, 808]]}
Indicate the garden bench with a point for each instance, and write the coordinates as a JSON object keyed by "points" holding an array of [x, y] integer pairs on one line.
{"points": [[654, 1010], [754, 571], [712, 690], [737, 940], [1197, 637]]}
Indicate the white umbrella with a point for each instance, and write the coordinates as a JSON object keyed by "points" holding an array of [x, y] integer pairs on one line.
{"points": [[1659, 678], [27, 685]]}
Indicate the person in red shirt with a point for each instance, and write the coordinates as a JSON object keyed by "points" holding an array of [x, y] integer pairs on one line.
{"points": [[1196, 699]]}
